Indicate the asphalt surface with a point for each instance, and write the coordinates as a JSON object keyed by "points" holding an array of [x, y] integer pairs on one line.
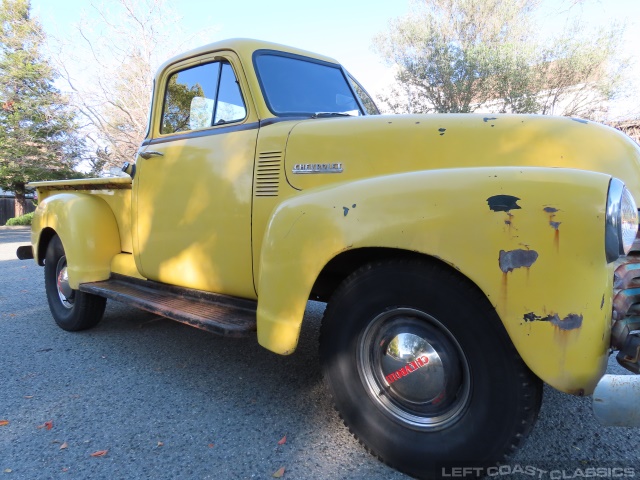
{"points": [[169, 401]]}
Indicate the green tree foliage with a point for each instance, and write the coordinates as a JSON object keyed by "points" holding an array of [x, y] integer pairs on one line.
{"points": [[37, 140], [177, 105], [463, 55]]}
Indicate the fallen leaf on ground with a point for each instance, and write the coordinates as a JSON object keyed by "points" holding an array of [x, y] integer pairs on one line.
{"points": [[278, 473], [63, 446], [7, 470], [48, 425], [99, 453], [4, 423], [283, 440]]}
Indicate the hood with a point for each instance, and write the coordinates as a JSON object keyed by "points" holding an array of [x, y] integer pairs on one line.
{"points": [[381, 145]]}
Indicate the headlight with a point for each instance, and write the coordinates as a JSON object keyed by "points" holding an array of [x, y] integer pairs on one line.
{"points": [[621, 222]]}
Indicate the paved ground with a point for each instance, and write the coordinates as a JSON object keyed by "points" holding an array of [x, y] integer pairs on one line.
{"points": [[169, 401]]}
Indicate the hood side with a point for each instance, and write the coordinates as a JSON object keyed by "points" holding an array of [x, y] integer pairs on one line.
{"points": [[382, 145]]}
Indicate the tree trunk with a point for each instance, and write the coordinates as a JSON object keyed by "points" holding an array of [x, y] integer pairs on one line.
{"points": [[20, 202]]}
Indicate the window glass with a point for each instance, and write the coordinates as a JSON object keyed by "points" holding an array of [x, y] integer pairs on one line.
{"points": [[182, 89], [298, 86], [230, 106], [364, 97]]}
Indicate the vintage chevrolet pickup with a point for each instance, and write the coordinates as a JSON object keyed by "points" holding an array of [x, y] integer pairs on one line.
{"points": [[464, 259]]}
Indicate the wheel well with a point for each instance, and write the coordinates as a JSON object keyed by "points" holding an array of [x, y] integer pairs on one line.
{"points": [[45, 237], [341, 266]]}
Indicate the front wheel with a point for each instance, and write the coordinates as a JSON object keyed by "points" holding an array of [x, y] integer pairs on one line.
{"points": [[422, 370], [72, 310]]}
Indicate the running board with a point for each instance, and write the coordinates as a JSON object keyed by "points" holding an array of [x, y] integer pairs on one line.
{"points": [[219, 314]]}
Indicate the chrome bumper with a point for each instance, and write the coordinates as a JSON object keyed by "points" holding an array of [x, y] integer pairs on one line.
{"points": [[616, 401]]}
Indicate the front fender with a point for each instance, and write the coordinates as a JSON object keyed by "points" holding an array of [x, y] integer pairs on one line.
{"points": [[532, 239], [88, 230]]}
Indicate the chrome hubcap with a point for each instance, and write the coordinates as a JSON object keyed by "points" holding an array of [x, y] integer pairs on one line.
{"points": [[65, 292], [414, 369]]}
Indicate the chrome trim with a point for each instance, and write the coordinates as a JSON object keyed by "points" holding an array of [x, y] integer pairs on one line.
{"points": [[612, 236], [317, 168]]}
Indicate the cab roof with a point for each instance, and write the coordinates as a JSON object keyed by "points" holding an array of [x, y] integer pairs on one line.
{"points": [[244, 48]]}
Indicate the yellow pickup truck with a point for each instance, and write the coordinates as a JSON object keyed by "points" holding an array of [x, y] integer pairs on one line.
{"points": [[464, 259]]}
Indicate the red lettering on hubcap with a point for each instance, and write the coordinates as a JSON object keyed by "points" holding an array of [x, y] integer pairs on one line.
{"points": [[407, 369]]}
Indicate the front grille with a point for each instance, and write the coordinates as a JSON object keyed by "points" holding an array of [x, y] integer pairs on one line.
{"points": [[626, 295]]}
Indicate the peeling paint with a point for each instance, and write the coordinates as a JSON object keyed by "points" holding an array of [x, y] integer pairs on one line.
{"points": [[551, 210], [602, 302], [555, 225], [503, 203], [346, 211], [572, 321], [513, 259], [580, 120], [486, 119], [442, 130]]}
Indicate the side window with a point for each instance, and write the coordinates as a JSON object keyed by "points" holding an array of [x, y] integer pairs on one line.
{"points": [[200, 97], [194, 87], [230, 106], [366, 100]]}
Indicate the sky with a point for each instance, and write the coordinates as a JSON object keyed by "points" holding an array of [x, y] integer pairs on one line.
{"points": [[343, 29]]}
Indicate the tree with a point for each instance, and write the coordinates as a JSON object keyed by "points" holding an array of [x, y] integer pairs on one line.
{"points": [[37, 139], [112, 91], [463, 55]]}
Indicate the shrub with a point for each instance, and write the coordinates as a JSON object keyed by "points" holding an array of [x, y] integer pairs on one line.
{"points": [[21, 220]]}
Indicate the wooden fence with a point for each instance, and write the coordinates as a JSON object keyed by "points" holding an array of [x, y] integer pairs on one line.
{"points": [[7, 208]]}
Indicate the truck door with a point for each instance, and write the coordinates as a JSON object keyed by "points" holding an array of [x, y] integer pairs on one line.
{"points": [[193, 184]]}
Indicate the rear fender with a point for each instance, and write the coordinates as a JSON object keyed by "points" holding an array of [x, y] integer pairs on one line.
{"points": [[88, 231]]}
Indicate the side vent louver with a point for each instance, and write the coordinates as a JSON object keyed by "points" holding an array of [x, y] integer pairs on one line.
{"points": [[268, 174]]}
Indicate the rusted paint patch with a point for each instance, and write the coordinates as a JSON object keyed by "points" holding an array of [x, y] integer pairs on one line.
{"points": [[572, 321], [555, 225], [513, 259], [503, 203]]}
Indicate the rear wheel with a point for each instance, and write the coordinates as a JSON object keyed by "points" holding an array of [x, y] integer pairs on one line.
{"points": [[422, 370], [72, 310]]}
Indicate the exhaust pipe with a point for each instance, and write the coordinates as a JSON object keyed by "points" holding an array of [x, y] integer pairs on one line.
{"points": [[616, 401]]}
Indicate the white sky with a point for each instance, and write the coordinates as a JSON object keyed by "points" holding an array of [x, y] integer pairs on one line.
{"points": [[342, 29]]}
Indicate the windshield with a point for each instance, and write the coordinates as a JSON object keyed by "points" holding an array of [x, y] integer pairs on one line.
{"points": [[294, 85]]}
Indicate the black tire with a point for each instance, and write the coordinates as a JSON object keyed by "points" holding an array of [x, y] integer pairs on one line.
{"points": [[422, 370], [72, 310]]}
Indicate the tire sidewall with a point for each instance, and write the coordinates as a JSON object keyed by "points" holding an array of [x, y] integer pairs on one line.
{"points": [[483, 431], [86, 311]]}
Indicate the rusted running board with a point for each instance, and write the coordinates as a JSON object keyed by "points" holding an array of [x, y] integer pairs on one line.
{"points": [[219, 314]]}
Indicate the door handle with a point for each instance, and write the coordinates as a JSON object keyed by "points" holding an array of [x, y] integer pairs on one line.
{"points": [[149, 154]]}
